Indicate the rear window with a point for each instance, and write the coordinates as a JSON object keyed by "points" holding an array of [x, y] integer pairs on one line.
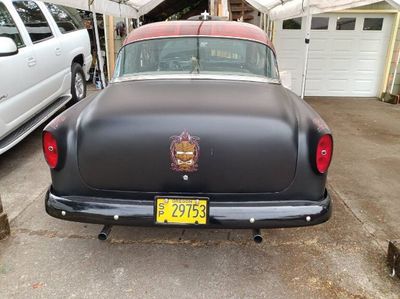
{"points": [[67, 19], [192, 55], [34, 20]]}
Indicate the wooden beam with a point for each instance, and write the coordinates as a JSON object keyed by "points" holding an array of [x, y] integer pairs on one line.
{"points": [[223, 11], [111, 47], [389, 53], [212, 7]]}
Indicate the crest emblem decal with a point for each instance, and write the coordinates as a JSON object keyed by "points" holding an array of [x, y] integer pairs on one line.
{"points": [[184, 152]]}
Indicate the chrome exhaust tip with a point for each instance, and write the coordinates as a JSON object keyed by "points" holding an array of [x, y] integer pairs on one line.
{"points": [[104, 233], [257, 237]]}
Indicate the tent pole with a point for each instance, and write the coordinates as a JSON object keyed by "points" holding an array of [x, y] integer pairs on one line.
{"points": [[307, 42], [127, 25], [266, 23], [99, 57], [107, 30]]}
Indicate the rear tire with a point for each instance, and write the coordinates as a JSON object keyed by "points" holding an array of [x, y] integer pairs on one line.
{"points": [[78, 83]]}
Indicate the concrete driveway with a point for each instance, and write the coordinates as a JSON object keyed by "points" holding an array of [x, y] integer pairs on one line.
{"points": [[366, 168], [344, 258]]}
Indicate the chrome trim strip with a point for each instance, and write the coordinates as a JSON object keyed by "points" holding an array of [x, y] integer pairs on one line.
{"points": [[195, 77], [201, 35]]}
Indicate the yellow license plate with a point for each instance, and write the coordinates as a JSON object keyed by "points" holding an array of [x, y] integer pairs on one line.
{"points": [[181, 210]]}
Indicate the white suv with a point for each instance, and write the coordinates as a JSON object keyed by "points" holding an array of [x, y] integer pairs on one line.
{"points": [[44, 63]]}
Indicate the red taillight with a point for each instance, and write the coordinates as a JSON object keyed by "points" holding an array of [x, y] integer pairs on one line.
{"points": [[50, 149], [324, 153]]}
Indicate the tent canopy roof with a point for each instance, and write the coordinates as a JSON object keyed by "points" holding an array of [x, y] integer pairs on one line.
{"points": [[117, 8], [284, 9], [276, 9]]}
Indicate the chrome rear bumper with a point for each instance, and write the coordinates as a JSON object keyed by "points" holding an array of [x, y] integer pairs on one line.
{"points": [[267, 214]]}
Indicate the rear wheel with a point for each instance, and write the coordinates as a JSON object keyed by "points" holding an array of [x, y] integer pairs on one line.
{"points": [[78, 83]]}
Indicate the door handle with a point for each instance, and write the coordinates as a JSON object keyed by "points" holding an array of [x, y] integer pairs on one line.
{"points": [[3, 97], [31, 61], [58, 51]]}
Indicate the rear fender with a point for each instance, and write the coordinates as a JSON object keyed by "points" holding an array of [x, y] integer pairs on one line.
{"points": [[64, 129]]}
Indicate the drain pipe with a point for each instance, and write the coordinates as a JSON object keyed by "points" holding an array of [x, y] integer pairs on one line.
{"points": [[105, 232], [257, 237]]}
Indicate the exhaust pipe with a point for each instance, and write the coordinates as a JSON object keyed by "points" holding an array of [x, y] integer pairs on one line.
{"points": [[105, 232], [257, 237]]}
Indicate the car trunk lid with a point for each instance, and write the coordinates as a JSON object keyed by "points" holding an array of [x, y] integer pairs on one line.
{"points": [[245, 133]]}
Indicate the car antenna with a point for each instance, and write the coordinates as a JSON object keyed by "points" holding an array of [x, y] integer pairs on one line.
{"points": [[196, 60], [205, 15]]}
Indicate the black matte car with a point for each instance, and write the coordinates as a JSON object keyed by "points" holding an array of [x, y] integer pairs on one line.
{"points": [[194, 130]]}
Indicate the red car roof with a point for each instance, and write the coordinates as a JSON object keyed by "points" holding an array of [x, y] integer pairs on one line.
{"points": [[192, 28]]}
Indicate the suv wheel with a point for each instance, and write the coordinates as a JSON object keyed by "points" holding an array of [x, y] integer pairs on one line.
{"points": [[78, 83]]}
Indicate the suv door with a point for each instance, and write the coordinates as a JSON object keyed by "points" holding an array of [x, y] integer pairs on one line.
{"points": [[49, 71], [75, 42], [17, 72]]}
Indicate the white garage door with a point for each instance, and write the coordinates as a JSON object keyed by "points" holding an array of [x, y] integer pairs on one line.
{"points": [[347, 53]]}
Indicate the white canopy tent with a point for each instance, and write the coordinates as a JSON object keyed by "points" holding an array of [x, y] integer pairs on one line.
{"points": [[117, 8], [285, 9]]}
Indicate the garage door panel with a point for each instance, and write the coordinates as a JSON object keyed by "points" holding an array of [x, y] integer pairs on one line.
{"points": [[342, 45], [337, 84], [367, 65], [315, 76], [341, 62], [315, 64], [370, 45], [315, 85], [290, 43], [368, 53], [338, 75], [318, 45], [364, 75], [317, 53], [363, 86], [288, 64]]}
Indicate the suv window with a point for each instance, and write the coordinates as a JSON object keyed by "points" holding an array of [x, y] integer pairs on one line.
{"points": [[8, 27], [34, 20], [67, 19]]}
